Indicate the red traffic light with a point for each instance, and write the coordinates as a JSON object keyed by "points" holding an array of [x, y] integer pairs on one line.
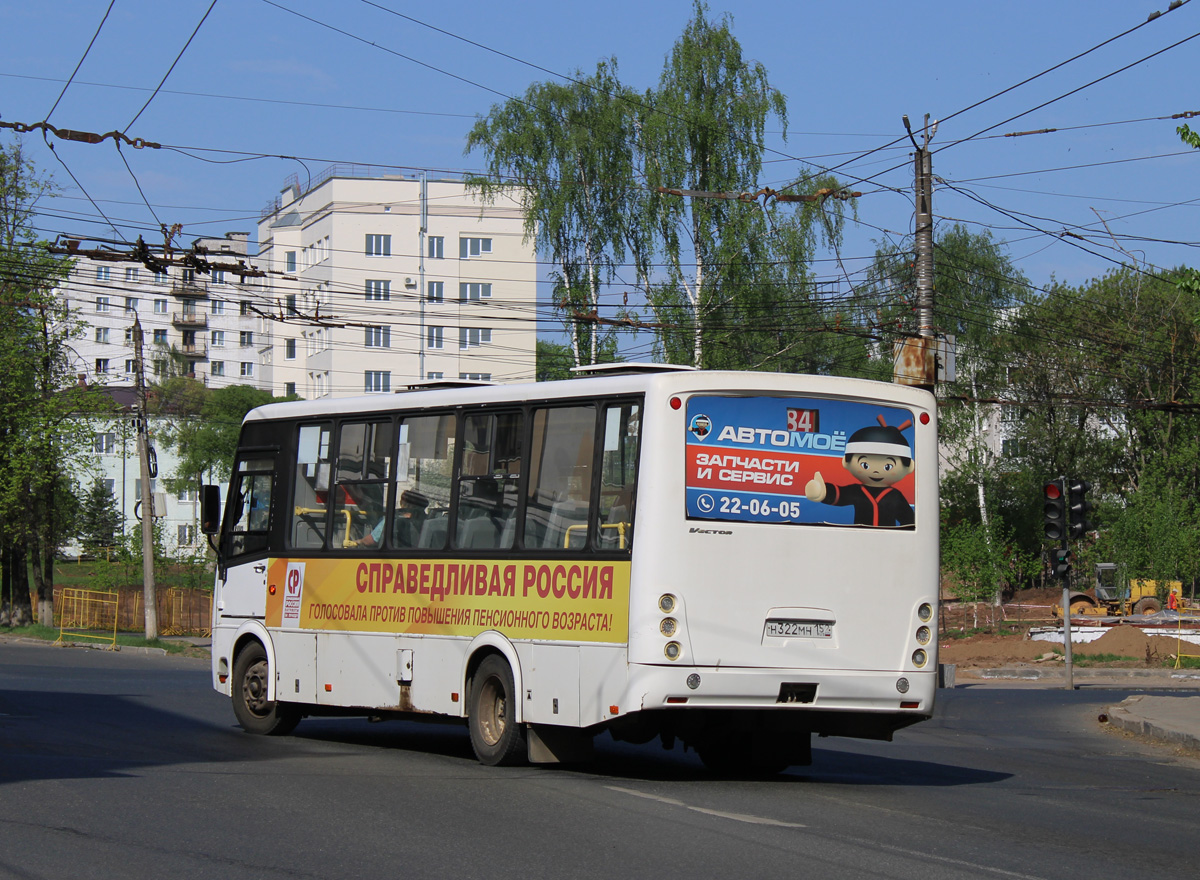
{"points": [[1053, 491]]}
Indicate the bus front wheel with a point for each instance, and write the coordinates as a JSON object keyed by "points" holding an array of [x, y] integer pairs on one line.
{"points": [[496, 736], [255, 713]]}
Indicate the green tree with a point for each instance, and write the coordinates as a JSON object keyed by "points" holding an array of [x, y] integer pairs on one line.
{"points": [[736, 291], [564, 151], [205, 425], [99, 521], [554, 361], [43, 410]]}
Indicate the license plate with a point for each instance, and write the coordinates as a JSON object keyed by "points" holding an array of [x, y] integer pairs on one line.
{"points": [[799, 629]]}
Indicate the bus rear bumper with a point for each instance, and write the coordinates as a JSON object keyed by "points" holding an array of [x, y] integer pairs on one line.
{"points": [[833, 702]]}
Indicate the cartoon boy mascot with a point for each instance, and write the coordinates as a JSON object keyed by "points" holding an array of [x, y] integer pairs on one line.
{"points": [[878, 457]]}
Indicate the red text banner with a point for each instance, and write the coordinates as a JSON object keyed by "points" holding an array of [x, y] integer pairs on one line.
{"points": [[565, 600]]}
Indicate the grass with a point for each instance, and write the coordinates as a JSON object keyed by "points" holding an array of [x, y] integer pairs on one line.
{"points": [[1078, 659], [1184, 663], [126, 640], [981, 630]]}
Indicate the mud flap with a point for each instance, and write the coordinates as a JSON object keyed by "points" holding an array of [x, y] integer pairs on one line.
{"points": [[549, 744]]}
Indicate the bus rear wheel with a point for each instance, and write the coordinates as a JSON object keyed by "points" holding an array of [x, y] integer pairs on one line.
{"points": [[496, 736], [255, 713]]}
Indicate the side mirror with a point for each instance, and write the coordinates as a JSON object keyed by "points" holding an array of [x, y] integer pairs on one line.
{"points": [[210, 509]]}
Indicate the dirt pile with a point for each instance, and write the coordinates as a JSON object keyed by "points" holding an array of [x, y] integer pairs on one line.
{"points": [[1016, 649]]}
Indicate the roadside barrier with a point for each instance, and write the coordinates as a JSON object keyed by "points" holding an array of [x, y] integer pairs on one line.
{"points": [[87, 614]]}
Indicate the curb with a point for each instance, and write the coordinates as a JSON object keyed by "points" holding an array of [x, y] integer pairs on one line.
{"points": [[1165, 677], [1121, 716]]}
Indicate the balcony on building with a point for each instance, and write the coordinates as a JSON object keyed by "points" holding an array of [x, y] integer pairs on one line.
{"points": [[189, 319], [188, 286], [195, 350]]}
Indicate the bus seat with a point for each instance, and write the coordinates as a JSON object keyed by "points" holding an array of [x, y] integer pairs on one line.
{"points": [[563, 515], [478, 532], [433, 533]]}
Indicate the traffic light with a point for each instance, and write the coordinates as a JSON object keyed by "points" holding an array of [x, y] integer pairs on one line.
{"points": [[1079, 507], [1060, 562], [1055, 509]]}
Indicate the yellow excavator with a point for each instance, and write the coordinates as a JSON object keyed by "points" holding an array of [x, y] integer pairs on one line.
{"points": [[1112, 597]]}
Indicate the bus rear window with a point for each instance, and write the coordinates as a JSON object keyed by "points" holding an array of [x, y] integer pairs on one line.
{"points": [[800, 460]]}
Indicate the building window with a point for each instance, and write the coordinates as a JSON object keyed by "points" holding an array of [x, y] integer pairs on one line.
{"points": [[218, 339], [289, 389], [476, 377], [244, 308], [289, 349], [378, 380], [289, 260], [102, 303], [379, 290], [379, 246], [247, 368], [187, 494], [472, 337], [131, 303], [318, 382], [101, 365], [291, 304], [217, 368], [186, 534], [435, 376], [104, 443], [129, 336], [189, 276], [474, 290], [160, 337], [473, 247], [378, 337], [437, 246], [160, 277], [103, 273], [102, 335], [247, 338], [218, 276], [433, 337], [109, 486], [218, 306], [160, 367], [131, 274], [130, 366], [436, 291], [137, 487], [160, 307]]}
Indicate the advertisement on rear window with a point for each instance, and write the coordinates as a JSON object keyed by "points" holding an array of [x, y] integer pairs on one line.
{"points": [[800, 460]]}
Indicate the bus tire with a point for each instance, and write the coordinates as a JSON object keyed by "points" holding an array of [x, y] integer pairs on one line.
{"points": [[255, 713], [496, 737]]}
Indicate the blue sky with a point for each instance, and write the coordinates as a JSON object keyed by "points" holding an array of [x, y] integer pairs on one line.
{"points": [[848, 69]]}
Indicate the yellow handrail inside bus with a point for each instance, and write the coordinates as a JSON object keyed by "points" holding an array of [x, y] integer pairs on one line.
{"points": [[345, 511], [619, 526]]}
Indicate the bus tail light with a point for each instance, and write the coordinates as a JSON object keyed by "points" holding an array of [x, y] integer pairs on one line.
{"points": [[910, 704], [673, 650], [919, 658]]}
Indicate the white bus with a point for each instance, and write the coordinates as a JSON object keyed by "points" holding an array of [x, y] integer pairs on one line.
{"points": [[732, 560]]}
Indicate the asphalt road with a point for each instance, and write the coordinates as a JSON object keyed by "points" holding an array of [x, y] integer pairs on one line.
{"points": [[124, 765]]}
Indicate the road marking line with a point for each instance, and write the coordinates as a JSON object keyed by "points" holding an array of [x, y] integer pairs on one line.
{"points": [[720, 814]]}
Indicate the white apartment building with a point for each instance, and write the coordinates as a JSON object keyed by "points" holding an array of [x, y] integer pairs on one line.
{"points": [[211, 321], [381, 281]]}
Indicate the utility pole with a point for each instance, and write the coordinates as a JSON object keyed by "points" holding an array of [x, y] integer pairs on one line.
{"points": [[916, 359], [147, 501], [923, 188]]}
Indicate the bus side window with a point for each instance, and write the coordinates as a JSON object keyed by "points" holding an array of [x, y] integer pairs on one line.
{"points": [[360, 495], [310, 492], [488, 480], [618, 475], [250, 504], [424, 457], [560, 484]]}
